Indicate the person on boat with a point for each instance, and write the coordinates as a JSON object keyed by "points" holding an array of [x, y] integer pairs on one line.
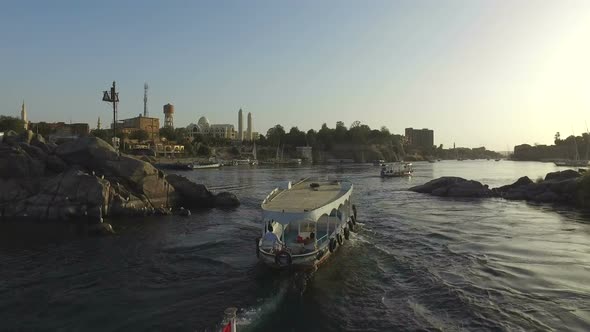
{"points": [[309, 243], [270, 240]]}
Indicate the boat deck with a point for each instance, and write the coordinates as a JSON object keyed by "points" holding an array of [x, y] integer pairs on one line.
{"points": [[302, 197]]}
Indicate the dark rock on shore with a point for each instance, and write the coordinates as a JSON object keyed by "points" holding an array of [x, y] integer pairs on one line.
{"points": [[86, 180], [197, 195], [453, 187], [558, 187]]}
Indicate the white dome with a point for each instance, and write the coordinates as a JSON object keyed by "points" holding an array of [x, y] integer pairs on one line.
{"points": [[203, 122]]}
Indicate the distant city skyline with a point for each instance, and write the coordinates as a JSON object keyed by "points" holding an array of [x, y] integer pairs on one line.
{"points": [[482, 73]]}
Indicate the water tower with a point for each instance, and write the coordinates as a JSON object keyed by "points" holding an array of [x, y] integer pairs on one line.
{"points": [[168, 116]]}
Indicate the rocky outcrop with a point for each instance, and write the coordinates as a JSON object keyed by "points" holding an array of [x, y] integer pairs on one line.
{"points": [[226, 200], [453, 187], [86, 180], [567, 187], [197, 195]]}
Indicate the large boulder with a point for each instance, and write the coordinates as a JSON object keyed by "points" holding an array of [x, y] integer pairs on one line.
{"points": [[40, 142], [139, 177], [226, 200], [10, 137], [562, 175], [191, 194], [89, 151], [55, 164], [453, 187], [16, 163], [68, 196], [523, 181]]}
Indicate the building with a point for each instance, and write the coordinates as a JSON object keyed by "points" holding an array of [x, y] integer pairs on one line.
{"points": [[420, 138], [249, 128], [240, 126], [147, 124], [204, 128], [168, 116]]}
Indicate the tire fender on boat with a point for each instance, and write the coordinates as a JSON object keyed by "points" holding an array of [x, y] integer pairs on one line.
{"points": [[351, 225], [258, 247], [339, 238], [319, 255], [354, 210], [283, 254], [332, 244], [347, 233]]}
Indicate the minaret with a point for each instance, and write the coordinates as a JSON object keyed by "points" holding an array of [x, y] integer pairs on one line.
{"points": [[240, 126], [98, 123], [23, 115], [145, 93], [249, 130]]}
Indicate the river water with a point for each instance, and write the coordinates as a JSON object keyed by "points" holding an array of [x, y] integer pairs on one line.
{"points": [[416, 263]]}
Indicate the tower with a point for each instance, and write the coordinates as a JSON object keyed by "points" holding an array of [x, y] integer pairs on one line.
{"points": [[249, 130], [168, 116], [240, 126], [98, 123], [145, 93], [23, 115]]}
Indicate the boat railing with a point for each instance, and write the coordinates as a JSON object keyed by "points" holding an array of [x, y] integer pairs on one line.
{"points": [[270, 196], [322, 239]]}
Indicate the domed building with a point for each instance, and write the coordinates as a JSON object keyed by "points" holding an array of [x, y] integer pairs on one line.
{"points": [[204, 128], [203, 122]]}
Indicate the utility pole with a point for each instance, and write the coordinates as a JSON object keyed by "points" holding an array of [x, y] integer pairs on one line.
{"points": [[113, 97]]}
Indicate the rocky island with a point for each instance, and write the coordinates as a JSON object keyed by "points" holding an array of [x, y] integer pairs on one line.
{"points": [[567, 187], [87, 180]]}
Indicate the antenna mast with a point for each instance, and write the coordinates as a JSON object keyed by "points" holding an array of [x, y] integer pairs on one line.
{"points": [[145, 93]]}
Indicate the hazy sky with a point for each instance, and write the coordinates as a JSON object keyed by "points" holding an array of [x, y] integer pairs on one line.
{"points": [[493, 73]]}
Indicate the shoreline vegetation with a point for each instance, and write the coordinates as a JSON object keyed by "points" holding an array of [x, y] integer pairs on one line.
{"points": [[562, 149]]}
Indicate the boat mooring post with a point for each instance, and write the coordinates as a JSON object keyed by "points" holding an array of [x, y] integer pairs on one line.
{"points": [[230, 317]]}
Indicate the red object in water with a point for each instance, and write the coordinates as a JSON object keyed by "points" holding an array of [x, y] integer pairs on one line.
{"points": [[227, 328]]}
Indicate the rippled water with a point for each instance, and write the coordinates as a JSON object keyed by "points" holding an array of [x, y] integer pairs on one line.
{"points": [[417, 262]]}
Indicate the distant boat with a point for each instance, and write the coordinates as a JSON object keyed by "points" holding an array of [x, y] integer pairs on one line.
{"points": [[205, 165], [397, 170]]}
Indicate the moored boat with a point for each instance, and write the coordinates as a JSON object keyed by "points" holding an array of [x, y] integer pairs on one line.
{"points": [[205, 165], [397, 170], [305, 223]]}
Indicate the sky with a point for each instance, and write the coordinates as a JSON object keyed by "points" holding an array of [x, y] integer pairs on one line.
{"points": [[479, 73]]}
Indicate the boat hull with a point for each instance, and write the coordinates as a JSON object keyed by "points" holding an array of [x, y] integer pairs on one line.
{"points": [[299, 262]]}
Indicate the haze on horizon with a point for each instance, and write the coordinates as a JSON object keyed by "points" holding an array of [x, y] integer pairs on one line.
{"points": [[491, 73]]}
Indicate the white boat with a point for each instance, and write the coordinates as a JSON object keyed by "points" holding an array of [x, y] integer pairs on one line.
{"points": [[397, 170], [305, 223], [205, 165], [249, 162]]}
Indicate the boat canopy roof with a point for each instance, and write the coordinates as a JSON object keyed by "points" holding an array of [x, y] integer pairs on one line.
{"points": [[308, 199]]}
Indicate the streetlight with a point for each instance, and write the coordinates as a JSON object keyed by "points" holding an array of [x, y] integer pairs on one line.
{"points": [[113, 97]]}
